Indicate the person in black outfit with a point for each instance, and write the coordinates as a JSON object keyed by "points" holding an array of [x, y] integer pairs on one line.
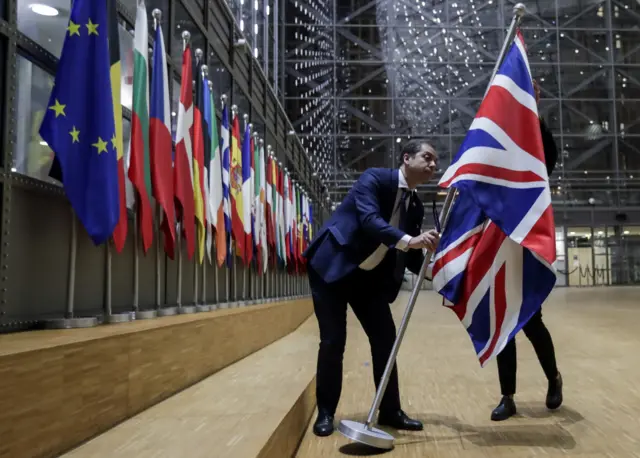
{"points": [[359, 258], [535, 330]]}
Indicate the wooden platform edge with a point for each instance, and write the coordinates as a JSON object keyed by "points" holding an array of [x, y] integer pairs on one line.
{"points": [[53, 399], [286, 439]]}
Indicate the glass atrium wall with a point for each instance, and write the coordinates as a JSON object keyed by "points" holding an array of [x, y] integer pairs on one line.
{"points": [[363, 76]]}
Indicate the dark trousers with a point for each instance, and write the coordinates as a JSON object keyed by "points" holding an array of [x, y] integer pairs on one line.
{"points": [[330, 306], [539, 336]]}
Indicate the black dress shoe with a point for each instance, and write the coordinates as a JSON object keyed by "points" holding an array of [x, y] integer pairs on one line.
{"points": [[399, 420], [554, 394], [324, 424], [506, 409]]}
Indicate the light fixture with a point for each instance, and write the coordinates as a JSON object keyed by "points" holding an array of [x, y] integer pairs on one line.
{"points": [[43, 10]]}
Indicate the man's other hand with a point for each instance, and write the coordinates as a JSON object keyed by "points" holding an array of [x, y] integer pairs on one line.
{"points": [[428, 240]]}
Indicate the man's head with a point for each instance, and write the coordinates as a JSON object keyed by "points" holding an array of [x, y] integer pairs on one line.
{"points": [[418, 160]]}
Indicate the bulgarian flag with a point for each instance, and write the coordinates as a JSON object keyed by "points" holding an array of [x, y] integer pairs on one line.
{"points": [[139, 170]]}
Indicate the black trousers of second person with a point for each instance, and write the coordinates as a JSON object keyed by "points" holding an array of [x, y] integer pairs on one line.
{"points": [[361, 290], [539, 336]]}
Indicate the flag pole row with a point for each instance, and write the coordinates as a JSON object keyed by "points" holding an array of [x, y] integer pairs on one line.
{"points": [[216, 194]]}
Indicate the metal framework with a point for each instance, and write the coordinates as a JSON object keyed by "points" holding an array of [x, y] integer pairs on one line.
{"points": [[36, 227], [363, 76]]}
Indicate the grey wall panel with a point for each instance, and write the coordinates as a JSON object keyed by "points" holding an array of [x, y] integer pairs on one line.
{"points": [[38, 256], [122, 275], [91, 262]]}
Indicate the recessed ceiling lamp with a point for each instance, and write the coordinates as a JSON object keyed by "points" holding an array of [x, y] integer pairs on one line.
{"points": [[43, 10]]}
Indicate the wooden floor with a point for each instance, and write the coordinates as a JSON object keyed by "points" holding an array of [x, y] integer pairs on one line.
{"points": [[596, 333]]}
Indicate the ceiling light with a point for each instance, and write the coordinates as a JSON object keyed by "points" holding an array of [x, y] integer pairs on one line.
{"points": [[43, 10]]}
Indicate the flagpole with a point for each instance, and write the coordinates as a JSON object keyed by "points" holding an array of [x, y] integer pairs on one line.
{"points": [[158, 255], [204, 306], [69, 321], [244, 270], [186, 36], [364, 433], [157, 15], [109, 317]]}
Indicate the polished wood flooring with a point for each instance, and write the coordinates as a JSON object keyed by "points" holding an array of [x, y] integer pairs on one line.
{"points": [[596, 333]]}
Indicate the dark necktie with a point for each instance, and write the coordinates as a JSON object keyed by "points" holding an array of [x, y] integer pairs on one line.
{"points": [[400, 262]]}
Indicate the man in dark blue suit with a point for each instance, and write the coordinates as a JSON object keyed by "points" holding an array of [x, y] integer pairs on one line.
{"points": [[359, 257]]}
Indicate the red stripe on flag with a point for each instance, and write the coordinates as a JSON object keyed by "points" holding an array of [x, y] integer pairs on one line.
{"points": [[454, 253], [499, 308], [515, 119], [491, 171], [120, 231], [541, 239], [162, 179], [479, 264]]}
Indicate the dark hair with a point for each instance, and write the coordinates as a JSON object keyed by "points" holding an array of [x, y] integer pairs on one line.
{"points": [[413, 147]]}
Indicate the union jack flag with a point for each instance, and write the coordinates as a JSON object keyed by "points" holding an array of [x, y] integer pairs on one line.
{"points": [[494, 264]]}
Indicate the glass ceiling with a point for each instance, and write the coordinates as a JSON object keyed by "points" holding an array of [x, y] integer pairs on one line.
{"points": [[367, 75]]}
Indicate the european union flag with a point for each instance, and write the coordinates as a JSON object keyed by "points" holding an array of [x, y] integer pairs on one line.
{"points": [[79, 123]]}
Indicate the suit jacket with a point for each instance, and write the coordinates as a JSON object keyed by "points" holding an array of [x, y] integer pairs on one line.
{"points": [[360, 224]]}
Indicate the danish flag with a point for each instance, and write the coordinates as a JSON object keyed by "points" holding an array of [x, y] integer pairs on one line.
{"points": [[494, 263]]}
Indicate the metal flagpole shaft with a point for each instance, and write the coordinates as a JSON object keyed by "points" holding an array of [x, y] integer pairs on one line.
{"points": [[235, 274], [519, 11], [136, 265], [407, 314], [158, 255], [108, 313], [244, 286], [71, 286], [203, 294], [216, 284], [195, 276], [179, 249]]}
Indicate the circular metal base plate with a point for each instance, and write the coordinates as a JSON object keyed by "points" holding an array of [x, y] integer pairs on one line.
{"points": [[169, 311], [117, 318], [203, 308], [146, 314], [71, 323], [187, 309], [372, 437]]}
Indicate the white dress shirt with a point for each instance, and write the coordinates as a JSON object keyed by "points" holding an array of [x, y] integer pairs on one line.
{"points": [[378, 255]]}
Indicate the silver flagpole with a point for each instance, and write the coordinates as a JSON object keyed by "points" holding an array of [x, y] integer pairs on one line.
{"points": [[70, 321], [234, 260], [109, 317], [245, 268], [136, 262], [366, 433], [196, 267], [157, 15], [186, 36], [158, 255]]}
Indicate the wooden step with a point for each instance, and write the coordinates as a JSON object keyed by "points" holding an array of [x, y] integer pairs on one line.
{"points": [[258, 407], [61, 388]]}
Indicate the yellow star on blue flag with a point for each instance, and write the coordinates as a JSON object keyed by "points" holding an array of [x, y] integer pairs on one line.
{"points": [[79, 121]]}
